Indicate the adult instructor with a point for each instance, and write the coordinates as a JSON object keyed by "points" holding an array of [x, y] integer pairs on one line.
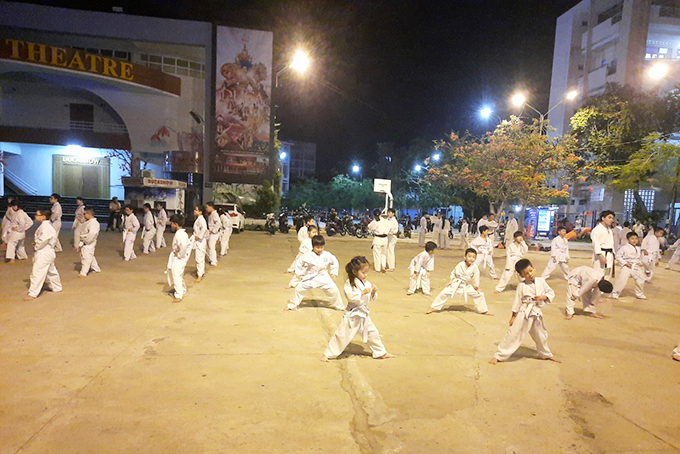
{"points": [[603, 244]]}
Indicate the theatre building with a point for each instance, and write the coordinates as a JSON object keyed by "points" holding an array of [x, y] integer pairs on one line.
{"points": [[87, 98]]}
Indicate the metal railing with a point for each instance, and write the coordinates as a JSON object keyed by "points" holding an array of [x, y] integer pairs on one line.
{"points": [[96, 126], [19, 183]]}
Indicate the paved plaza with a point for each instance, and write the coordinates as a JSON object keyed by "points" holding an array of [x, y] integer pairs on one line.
{"points": [[111, 366]]}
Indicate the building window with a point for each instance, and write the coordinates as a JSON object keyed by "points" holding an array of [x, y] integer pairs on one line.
{"points": [[647, 196], [613, 13], [612, 68], [584, 23]]}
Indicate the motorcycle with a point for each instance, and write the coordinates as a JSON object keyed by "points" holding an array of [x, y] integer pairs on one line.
{"points": [[361, 230], [332, 227], [283, 223], [270, 224], [407, 229]]}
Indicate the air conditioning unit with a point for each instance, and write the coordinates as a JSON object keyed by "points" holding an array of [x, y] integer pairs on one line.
{"points": [[148, 173]]}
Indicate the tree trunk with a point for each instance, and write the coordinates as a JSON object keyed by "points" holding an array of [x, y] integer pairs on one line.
{"points": [[639, 202]]}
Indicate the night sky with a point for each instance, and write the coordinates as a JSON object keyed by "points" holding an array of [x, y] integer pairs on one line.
{"points": [[399, 70]]}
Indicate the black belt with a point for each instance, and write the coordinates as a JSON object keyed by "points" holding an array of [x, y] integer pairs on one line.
{"points": [[610, 251], [380, 236]]}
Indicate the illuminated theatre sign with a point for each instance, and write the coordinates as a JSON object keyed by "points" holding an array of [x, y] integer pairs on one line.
{"points": [[69, 59]]}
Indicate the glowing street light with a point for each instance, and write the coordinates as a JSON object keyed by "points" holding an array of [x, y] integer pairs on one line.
{"points": [[418, 168], [356, 168], [282, 155], [485, 112], [572, 95], [300, 61], [519, 100], [436, 157], [658, 71]]}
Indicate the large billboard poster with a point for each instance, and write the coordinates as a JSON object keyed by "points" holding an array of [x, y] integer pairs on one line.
{"points": [[243, 106]]}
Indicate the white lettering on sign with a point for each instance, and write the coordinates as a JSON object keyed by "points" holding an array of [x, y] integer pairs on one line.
{"points": [[76, 160]]}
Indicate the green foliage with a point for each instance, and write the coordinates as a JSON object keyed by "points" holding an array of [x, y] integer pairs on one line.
{"points": [[342, 192]]}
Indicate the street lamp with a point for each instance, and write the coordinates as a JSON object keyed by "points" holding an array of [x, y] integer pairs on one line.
{"points": [[436, 157], [418, 168], [282, 155], [519, 100], [485, 112], [356, 169], [300, 63], [658, 71]]}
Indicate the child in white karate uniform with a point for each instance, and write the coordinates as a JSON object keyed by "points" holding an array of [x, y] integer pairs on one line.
{"points": [[392, 239], [78, 221], [304, 248], [87, 243], [527, 317], [515, 251], [161, 220], [629, 259], [559, 254], [651, 251], [18, 223], [464, 241], [314, 270], [55, 218], [587, 284], [200, 241], [484, 247], [359, 292], [225, 235], [44, 269], [179, 256], [130, 233], [149, 234], [464, 281], [676, 255], [214, 232], [419, 270]]}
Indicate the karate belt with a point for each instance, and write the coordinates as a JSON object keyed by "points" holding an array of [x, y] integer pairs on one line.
{"points": [[606, 260], [361, 312], [456, 285], [380, 236]]}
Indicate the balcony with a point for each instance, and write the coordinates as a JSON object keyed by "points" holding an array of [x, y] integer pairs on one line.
{"points": [[603, 33]]}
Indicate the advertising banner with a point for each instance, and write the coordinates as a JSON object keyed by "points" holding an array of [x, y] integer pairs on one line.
{"points": [[243, 106]]}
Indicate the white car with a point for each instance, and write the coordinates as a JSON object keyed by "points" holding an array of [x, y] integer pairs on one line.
{"points": [[235, 212]]}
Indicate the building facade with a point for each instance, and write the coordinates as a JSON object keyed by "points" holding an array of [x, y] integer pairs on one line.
{"points": [[298, 160], [598, 42]]}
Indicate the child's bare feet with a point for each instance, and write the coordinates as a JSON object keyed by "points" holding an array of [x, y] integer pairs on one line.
{"points": [[487, 313], [496, 291], [386, 356], [324, 359], [29, 298], [177, 300], [553, 360], [569, 316], [429, 311], [198, 280], [597, 316], [493, 361]]}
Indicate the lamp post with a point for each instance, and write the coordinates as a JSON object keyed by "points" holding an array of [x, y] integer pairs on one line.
{"points": [[300, 63], [356, 169], [519, 100]]}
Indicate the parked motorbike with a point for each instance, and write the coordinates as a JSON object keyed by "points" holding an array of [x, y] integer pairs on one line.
{"points": [[361, 230], [270, 224], [333, 227], [407, 229], [283, 223]]}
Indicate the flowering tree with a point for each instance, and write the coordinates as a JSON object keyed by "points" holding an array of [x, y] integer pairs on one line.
{"points": [[511, 165]]}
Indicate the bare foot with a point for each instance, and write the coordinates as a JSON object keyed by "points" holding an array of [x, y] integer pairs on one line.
{"points": [[487, 313], [569, 317], [598, 316], [386, 356], [29, 298], [177, 300], [408, 294], [324, 359], [493, 361], [496, 291], [80, 276], [198, 280], [429, 311], [11, 262], [553, 360]]}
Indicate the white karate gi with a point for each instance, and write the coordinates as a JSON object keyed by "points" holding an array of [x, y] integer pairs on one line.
{"points": [[225, 235], [559, 256], [78, 224], [380, 229], [149, 234], [529, 319], [616, 233], [130, 227], [302, 234], [514, 253], [44, 269], [493, 226], [510, 230], [652, 247], [465, 283], [676, 255], [315, 271], [161, 221], [214, 231], [55, 219], [6, 222], [422, 232], [356, 321], [87, 244], [304, 248], [464, 240], [17, 226], [392, 242], [179, 256], [630, 255], [437, 230], [603, 243], [676, 352], [582, 284], [200, 240], [444, 235], [484, 248], [421, 265], [623, 240]]}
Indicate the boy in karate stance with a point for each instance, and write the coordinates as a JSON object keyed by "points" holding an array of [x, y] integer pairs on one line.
{"points": [[179, 256], [651, 252], [515, 252], [200, 239], [464, 281], [587, 284], [314, 270], [225, 235], [130, 233], [44, 270], [531, 295], [420, 268], [484, 247], [149, 234], [629, 258], [161, 220], [19, 222], [214, 231], [559, 254], [359, 292], [87, 243]]}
